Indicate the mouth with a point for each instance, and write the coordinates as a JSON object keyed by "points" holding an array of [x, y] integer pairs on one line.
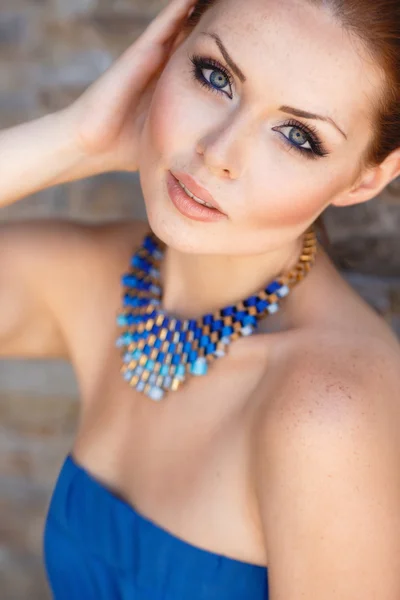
{"points": [[196, 191], [195, 202], [193, 196]]}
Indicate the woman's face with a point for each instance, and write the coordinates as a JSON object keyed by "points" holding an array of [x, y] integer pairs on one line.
{"points": [[271, 172]]}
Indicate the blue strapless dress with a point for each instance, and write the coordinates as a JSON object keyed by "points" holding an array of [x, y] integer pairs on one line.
{"points": [[98, 547]]}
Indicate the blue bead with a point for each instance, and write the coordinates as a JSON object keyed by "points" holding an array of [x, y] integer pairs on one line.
{"points": [[228, 311], [130, 281], [240, 315], [137, 354], [204, 340], [252, 301], [208, 319], [150, 365], [271, 289], [147, 349], [161, 357], [249, 320], [193, 356], [187, 347], [158, 344], [192, 325], [176, 359], [178, 325], [261, 305], [198, 332], [227, 331], [155, 329], [217, 325], [149, 245], [170, 336], [211, 348], [171, 348], [182, 336]]}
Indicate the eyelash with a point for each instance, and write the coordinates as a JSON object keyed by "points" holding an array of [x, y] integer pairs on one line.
{"points": [[200, 63]]}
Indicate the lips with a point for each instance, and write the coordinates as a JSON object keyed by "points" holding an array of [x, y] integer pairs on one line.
{"points": [[195, 188]]}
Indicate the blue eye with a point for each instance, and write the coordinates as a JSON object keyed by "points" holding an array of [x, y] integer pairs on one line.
{"points": [[215, 78], [299, 135], [212, 75]]}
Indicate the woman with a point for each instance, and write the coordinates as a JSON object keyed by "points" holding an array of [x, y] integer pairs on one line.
{"points": [[265, 461]]}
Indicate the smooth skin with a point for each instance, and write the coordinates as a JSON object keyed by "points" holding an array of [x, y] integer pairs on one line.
{"points": [[287, 453]]}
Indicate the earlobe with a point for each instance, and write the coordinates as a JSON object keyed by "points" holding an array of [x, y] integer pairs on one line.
{"points": [[372, 181]]}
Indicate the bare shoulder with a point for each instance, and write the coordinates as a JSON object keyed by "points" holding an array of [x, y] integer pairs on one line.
{"points": [[50, 270], [326, 474]]}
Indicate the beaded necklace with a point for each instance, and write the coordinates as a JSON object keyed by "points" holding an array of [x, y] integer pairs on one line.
{"points": [[159, 351]]}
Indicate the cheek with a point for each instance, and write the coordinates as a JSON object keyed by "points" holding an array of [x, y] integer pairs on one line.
{"points": [[290, 196], [169, 116]]}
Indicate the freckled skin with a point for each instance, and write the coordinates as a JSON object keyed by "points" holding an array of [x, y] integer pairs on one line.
{"points": [[270, 192]]}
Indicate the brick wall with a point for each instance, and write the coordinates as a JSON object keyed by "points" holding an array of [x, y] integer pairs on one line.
{"points": [[50, 50]]}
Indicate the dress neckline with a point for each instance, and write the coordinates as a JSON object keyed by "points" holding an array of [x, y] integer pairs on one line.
{"points": [[162, 530]]}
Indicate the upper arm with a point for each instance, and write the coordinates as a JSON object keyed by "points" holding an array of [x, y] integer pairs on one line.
{"points": [[35, 261], [328, 481]]}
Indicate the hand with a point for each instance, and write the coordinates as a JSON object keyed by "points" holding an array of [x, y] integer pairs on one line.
{"points": [[108, 118]]}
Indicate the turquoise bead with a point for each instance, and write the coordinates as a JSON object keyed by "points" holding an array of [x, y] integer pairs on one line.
{"points": [[164, 370], [180, 371], [199, 367]]}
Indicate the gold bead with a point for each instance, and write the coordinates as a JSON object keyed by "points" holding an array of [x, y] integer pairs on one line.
{"points": [[176, 383], [154, 354], [134, 381], [142, 360], [145, 375], [149, 324]]}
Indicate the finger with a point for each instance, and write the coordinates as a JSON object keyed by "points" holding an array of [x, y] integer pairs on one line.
{"points": [[123, 83], [168, 21]]}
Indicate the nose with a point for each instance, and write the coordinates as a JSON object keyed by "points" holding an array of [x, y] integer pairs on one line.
{"points": [[225, 148]]}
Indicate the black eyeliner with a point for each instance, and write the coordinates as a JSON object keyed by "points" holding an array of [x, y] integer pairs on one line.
{"points": [[201, 62]]}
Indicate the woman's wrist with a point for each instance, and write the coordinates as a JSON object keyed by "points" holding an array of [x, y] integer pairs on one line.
{"points": [[42, 153]]}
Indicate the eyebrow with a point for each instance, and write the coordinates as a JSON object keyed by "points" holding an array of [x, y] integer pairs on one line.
{"points": [[287, 109]]}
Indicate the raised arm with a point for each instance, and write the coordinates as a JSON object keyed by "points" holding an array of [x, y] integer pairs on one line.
{"points": [[100, 131]]}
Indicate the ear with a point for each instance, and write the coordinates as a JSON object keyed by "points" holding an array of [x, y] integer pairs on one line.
{"points": [[371, 181]]}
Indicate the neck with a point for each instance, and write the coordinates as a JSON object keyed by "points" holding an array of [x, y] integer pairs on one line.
{"points": [[198, 284]]}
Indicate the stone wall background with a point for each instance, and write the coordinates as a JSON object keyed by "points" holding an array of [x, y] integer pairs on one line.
{"points": [[50, 51]]}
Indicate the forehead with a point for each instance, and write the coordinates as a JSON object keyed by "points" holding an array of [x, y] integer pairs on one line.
{"points": [[281, 44]]}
